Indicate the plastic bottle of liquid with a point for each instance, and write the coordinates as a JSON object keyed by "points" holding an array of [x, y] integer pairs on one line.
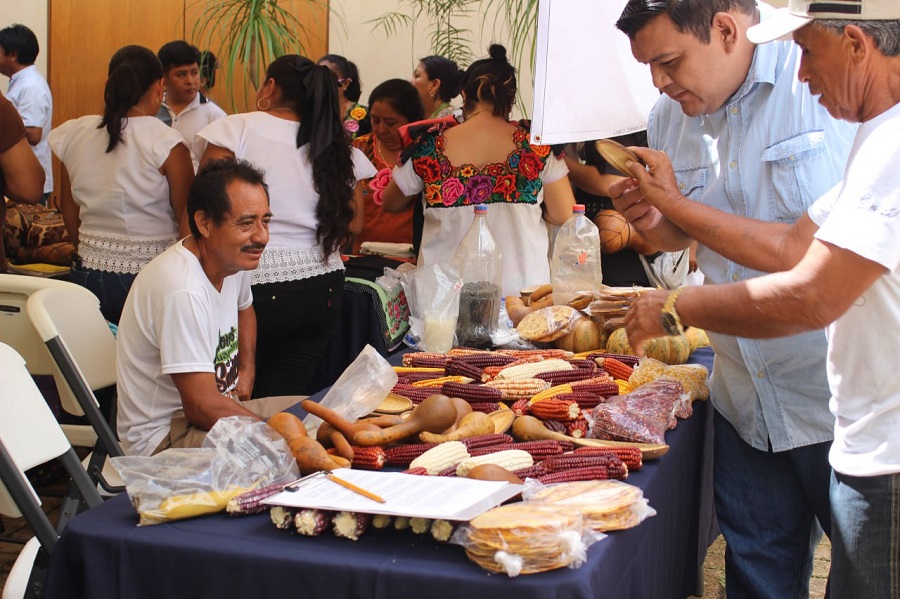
{"points": [[480, 265], [575, 266]]}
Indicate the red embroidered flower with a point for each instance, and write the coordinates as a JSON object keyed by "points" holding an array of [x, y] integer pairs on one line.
{"points": [[530, 166], [541, 151], [495, 170], [429, 169], [520, 135], [505, 186], [433, 194]]}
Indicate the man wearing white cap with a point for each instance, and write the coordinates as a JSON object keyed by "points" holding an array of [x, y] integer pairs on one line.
{"points": [[746, 140], [841, 270]]}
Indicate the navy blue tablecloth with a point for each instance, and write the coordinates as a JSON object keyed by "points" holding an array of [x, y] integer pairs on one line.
{"points": [[102, 553]]}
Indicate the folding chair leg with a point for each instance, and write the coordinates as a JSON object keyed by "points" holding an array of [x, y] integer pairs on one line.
{"points": [[35, 587], [21, 494]]}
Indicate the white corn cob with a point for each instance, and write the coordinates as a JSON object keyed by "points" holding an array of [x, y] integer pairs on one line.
{"points": [[516, 389], [527, 371], [441, 457], [420, 525], [401, 522], [442, 530], [381, 520], [511, 459]]}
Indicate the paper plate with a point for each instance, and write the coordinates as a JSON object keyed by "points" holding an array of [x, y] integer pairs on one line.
{"points": [[393, 404], [503, 419], [616, 154]]}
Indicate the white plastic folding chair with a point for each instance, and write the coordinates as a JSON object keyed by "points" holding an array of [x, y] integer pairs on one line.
{"points": [[30, 436], [70, 323]]}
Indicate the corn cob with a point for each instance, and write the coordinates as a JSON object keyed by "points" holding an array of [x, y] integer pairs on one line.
{"points": [[565, 476], [414, 394], [486, 440], [511, 459], [606, 388], [420, 526], [624, 358], [486, 359], [442, 530], [381, 520], [484, 406], [369, 458], [589, 365], [586, 355], [402, 380], [424, 359], [402, 455], [466, 351], [520, 407], [407, 370], [282, 517], [527, 371], [518, 389], [600, 376], [543, 448], [437, 383], [401, 522], [630, 456], [251, 501], [615, 467], [556, 426], [577, 428], [624, 387], [460, 368], [415, 377], [471, 392], [480, 451], [416, 471], [585, 399], [617, 369], [449, 471], [311, 522], [350, 525], [551, 392], [438, 458], [531, 472], [544, 354], [555, 409], [558, 377], [491, 372]]}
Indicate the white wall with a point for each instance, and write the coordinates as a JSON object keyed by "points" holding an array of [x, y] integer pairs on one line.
{"points": [[379, 57], [32, 14]]}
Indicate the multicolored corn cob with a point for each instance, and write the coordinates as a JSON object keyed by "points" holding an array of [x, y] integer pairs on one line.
{"points": [[251, 501], [513, 390], [311, 522], [424, 360], [403, 455], [350, 525]]}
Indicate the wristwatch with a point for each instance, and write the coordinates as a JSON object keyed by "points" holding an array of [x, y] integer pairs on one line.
{"points": [[671, 322]]}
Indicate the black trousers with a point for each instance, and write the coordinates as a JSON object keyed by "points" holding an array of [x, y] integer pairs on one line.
{"points": [[295, 320]]}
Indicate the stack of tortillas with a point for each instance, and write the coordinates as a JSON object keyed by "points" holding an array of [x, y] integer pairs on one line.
{"points": [[524, 538], [548, 324], [605, 504]]}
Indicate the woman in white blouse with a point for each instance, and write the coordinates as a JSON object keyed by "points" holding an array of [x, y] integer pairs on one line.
{"points": [[130, 176], [297, 138]]}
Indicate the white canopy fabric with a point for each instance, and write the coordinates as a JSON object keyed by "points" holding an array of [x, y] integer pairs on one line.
{"points": [[587, 84]]}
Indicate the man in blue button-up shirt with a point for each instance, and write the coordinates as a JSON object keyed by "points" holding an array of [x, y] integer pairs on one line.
{"points": [[746, 138]]}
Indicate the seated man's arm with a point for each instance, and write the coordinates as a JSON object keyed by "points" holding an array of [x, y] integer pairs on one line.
{"points": [[202, 402]]}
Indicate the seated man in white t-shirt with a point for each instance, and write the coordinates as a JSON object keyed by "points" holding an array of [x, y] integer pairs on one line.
{"points": [[187, 337]]}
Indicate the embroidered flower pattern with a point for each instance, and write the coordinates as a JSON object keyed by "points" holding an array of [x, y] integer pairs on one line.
{"points": [[358, 113], [517, 180], [379, 183]]}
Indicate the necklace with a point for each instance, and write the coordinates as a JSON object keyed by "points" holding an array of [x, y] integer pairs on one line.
{"points": [[476, 113], [380, 155]]}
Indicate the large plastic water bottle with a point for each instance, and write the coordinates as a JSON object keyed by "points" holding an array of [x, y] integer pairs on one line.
{"points": [[575, 266], [480, 265]]}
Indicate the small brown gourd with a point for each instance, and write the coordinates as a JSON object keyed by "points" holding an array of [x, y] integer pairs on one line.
{"points": [[309, 453], [472, 424], [435, 414]]}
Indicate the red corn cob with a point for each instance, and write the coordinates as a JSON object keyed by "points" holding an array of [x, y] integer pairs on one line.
{"points": [[458, 367], [402, 455], [415, 394], [623, 358], [486, 359], [484, 406], [558, 377], [424, 360], [489, 449], [402, 380], [521, 407], [542, 449], [350, 525], [615, 368], [540, 353], [449, 471], [556, 426], [311, 522], [251, 501], [568, 461], [585, 399], [577, 428], [471, 392], [282, 517], [565, 476], [418, 471], [530, 472], [604, 389], [466, 351], [555, 409], [486, 440], [630, 456], [583, 364], [369, 458]]}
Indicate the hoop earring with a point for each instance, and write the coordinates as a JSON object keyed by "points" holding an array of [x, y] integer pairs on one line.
{"points": [[268, 104], [431, 93]]}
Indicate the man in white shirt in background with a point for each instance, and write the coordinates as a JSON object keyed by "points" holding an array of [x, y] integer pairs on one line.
{"points": [[29, 93], [185, 108]]}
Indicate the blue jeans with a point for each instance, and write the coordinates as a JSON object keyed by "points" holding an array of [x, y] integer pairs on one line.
{"points": [[865, 544], [769, 506], [111, 288]]}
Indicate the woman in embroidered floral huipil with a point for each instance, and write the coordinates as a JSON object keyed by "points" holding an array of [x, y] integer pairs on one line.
{"points": [[485, 160], [354, 114]]}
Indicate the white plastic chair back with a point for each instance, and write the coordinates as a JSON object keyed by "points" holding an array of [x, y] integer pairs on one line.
{"points": [[28, 429]]}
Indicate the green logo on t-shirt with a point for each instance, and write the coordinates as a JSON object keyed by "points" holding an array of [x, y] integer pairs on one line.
{"points": [[227, 361]]}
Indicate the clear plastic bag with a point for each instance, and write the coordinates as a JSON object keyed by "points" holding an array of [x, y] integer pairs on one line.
{"points": [[526, 538], [238, 454], [692, 376], [615, 422], [361, 387], [576, 263], [661, 400], [605, 505], [432, 293]]}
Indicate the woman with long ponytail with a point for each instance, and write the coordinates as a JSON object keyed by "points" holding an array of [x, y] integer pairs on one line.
{"points": [[130, 176], [296, 137]]}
